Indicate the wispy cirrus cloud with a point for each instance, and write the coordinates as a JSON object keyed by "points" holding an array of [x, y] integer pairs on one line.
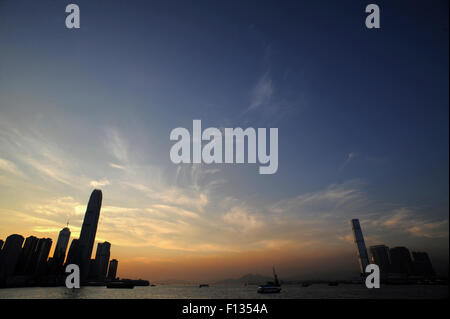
{"points": [[409, 220], [350, 157], [36, 154], [262, 92], [10, 167], [116, 145], [50, 170], [334, 200]]}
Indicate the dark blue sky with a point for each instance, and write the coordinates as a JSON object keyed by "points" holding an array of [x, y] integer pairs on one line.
{"points": [[337, 87]]}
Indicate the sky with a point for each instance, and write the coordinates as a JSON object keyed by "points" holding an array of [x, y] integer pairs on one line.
{"points": [[362, 116]]}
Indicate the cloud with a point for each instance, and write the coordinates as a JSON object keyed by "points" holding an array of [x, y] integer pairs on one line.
{"points": [[188, 198], [49, 170], [437, 229], [39, 156], [242, 219], [176, 210], [262, 92], [64, 207], [116, 145], [335, 201], [350, 157], [117, 166], [100, 183], [408, 220], [190, 189], [10, 167], [269, 103]]}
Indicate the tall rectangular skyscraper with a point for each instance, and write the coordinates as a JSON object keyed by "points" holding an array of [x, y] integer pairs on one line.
{"points": [[379, 255], [61, 246], [102, 260], [10, 255], [112, 271], [26, 255], [42, 250], [60, 251], [422, 264], [401, 262], [360, 245]]}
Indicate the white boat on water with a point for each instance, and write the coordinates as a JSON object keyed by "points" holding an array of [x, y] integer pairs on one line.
{"points": [[270, 287]]}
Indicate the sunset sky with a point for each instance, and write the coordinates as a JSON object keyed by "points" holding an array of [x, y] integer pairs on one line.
{"points": [[362, 117]]}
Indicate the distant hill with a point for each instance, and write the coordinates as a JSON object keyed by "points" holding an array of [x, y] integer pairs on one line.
{"points": [[252, 279]]}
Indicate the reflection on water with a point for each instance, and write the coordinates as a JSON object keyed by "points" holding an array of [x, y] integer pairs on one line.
{"points": [[225, 292]]}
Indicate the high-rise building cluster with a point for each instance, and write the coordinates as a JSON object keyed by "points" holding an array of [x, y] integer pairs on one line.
{"points": [[25, 262], [393, 262]]}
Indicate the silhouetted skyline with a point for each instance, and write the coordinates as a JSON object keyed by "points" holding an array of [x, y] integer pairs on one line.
{"points": [[30, 265], [362, 118], [395, 264]]}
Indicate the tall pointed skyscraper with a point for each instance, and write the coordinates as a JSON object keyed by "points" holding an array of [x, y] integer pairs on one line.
{"points": [[88, 231]]}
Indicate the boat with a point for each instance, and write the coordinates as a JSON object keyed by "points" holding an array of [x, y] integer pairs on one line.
{"points": [[271, 287], [120, 284], [203, 285], [140, 282]]}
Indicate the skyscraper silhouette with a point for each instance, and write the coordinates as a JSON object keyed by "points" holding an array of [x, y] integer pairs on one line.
{"points": [[102, 260], [26, 254], [10, 255], [380, 255], [60, 250], [401, 261], [360, 245], [72, 255], [88, 232], [42, 250], [112, 271], [422, 264]]}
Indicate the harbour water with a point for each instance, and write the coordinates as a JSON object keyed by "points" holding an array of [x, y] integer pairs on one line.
{"points": [[316, 291]]}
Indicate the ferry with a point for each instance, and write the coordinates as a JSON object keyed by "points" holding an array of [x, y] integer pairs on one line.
{"points": [[271, 287]]}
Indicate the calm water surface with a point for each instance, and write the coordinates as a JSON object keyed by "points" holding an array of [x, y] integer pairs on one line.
{"points": [[225, 292]]}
